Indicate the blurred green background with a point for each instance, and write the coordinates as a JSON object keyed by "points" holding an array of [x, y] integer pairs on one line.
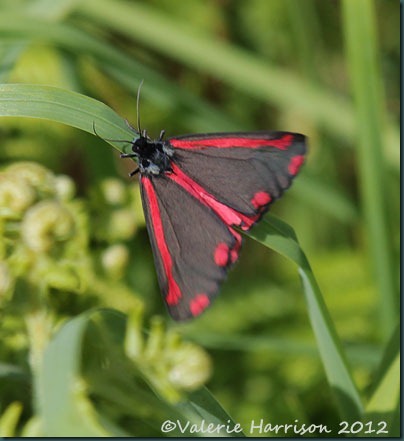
{"points": [[307, 66]]}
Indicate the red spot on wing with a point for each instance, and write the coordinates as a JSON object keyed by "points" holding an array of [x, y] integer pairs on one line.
{"points": [[228, 215], [198, 304], [234, 251], [223, 142], [173, 290], [295, 164], [261, 199], [233, 255], [221, 255]]}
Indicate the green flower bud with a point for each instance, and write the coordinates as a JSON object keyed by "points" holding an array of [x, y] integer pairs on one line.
{"points": [[114, 260], [34, 175], [46, 223], [122, 224], [15, 195], [190, 367], [64, 187], [113, 191]]}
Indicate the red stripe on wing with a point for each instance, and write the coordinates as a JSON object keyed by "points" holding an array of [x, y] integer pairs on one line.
{"points": [[228, 215], [222, 142], [173, 291]]}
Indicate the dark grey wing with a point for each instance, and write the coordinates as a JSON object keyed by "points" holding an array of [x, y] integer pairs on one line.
{"points": [[245, 171], [193, 248]]}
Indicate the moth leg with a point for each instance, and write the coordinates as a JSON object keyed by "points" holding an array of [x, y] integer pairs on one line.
{"points": [[162, 133]]}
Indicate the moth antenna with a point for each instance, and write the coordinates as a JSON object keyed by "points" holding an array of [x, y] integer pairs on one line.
{"points": [[137, 106]]}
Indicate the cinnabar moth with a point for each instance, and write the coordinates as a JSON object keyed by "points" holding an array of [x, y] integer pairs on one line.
{"points": [[195, 189]]}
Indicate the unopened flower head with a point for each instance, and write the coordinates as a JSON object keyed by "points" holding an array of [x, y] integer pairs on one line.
{"points": [[45, 224]]}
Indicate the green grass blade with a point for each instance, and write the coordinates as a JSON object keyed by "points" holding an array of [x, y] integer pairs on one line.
{"points": [[46, 9], [306, 34], [280, 237], [63, 106], [361, 42], [50, 9], [357, 354]]}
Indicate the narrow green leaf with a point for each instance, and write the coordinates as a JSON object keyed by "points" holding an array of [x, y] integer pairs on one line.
{"points": [[361, 42], [357, 354], [47, 10], [50, 9], [70, 108], [280, 237]]}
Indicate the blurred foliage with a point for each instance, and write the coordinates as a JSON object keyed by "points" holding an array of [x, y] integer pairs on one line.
{"points": [[73, 235]]}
